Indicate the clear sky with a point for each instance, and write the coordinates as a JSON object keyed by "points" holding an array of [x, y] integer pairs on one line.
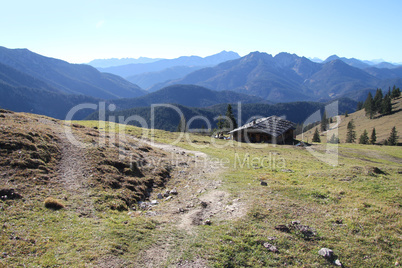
{"points": [[81, 30]]}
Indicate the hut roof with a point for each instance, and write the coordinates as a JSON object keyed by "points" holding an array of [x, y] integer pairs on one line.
{"points": [[273, 125]]}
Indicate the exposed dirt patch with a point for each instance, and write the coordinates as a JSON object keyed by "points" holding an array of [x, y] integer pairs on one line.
{"points": [[213, 207], [199, 200]]}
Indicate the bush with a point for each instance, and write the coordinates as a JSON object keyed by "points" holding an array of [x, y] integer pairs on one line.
{"points": [[53, 203]]}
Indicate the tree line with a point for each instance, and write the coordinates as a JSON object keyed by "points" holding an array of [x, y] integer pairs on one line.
{"points": [[363, 139], [379, 104]]}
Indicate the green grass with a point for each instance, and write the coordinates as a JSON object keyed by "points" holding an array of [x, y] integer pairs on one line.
{"points": [[38, 237], [368, 206], [353, 212]]}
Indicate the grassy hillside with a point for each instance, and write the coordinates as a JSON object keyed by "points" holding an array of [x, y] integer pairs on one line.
{"points": [[382, 125], [93, 183], [222, 216]]}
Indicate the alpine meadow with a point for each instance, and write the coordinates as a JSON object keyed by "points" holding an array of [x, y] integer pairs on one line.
{"points": [[200, 134]]}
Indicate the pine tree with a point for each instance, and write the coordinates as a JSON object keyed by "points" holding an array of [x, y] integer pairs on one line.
{"points": [[316, 136], [346, 114], [351, 134], [396, 92], [393, 137], [324, 122], [232, 124], [373, 137], [364, 139], [369, 106], [334, 139], [386, 105], [182, 125], [377, 100]]}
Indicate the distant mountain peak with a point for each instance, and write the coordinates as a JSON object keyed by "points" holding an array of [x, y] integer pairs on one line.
{"points": [[257, 55], [331, 58], [315, 59]]}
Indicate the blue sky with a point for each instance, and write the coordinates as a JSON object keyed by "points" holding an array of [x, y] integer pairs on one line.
{"points": [[79, 31]]}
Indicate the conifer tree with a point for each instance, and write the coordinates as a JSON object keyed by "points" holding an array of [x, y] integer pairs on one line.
{"points": [[377, 101], [364, 139], [232, 124], [393, 137], [346, 114], [316, 136], [373, 137], [396, 92], [351, 134], [182, 125], [334, 139], [369, 106], [386, 105]]}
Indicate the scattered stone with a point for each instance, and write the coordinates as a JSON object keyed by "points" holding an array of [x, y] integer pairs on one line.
{"points": [[204, 204], [271, 238], [282, 228], [264, 183], [154, 202], [168, 198], [271, 247], [295, 222], [306, 231], [160, 196], [208, 222], [144, 205], [181, 210], [396, 263], [286, 170], [167, 193], [326, 253], [338, 263], [174, 192]]}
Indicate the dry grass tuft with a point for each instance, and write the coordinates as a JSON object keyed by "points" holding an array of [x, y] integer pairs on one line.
{"points": [[53, 203]]}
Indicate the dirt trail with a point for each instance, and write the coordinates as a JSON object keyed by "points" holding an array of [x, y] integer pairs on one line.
{"points": [[73, 171], [200, 199]]}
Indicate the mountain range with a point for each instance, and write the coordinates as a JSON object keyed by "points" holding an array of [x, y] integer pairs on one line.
{"points": [[104, 63], [186, 95], [138, 68], [363, 64], [69, 78], [288, 77], [30, 82]]}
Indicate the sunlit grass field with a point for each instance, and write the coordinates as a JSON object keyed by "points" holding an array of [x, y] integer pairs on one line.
{"points": [[354, 210]]}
